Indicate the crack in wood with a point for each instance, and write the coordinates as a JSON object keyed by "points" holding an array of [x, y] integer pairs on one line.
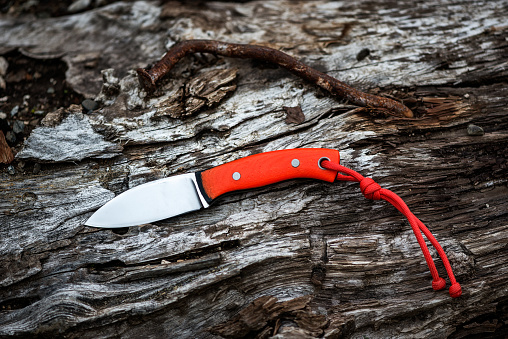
{"points": [[184, 260]]}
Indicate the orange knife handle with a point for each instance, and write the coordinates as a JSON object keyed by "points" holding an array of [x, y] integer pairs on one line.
{"points": [[265, 169]]}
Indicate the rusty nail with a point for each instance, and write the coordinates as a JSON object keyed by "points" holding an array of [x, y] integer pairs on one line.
{"points": [[148, 79]]}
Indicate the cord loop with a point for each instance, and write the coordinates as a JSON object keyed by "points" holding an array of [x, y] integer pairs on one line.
{"points": [[371, 190]]}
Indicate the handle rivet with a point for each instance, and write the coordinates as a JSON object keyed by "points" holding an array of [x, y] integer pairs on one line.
{"points": [[236, 176], [295, 162]]}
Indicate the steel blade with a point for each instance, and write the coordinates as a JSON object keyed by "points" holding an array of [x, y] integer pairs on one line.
{"points": [[156, 200]]}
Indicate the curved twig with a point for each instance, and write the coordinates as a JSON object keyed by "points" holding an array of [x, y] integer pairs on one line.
{"points": [[149, 78]]}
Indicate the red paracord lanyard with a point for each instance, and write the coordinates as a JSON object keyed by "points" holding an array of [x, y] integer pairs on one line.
{"points": [[371, 190]]}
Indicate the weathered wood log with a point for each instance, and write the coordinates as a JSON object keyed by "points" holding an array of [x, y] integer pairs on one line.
{"points": [[296, 259]]}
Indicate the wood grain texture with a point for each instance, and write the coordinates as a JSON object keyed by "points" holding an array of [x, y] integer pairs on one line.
{"points": [[350, 267]]}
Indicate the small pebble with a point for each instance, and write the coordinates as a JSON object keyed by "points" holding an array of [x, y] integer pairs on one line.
{"points": [[10, 137], [3, 66], [89, 105], [363, 54], [14, 111], [50, 90], [37, 168], [475, 130], [18, 127], [3, 115], [11, 170], [78, 6], [26, 97], [39, 112]]}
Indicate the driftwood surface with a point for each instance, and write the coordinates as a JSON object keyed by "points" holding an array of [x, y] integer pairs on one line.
{"points": [[296, 259]]}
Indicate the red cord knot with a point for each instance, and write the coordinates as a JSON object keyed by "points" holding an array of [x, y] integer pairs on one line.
{"points": [[438, 284], [455, 290], [370, 189]]}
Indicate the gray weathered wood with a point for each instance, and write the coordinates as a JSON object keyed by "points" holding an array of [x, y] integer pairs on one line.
{"points": [[300, 257]]}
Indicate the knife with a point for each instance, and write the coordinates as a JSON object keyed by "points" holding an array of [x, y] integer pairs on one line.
{"points": [[172, 196], [175, 195]]}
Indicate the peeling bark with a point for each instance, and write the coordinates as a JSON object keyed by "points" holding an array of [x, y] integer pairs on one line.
{"points": [[72, 139], [296, 259], [6, 155]]}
